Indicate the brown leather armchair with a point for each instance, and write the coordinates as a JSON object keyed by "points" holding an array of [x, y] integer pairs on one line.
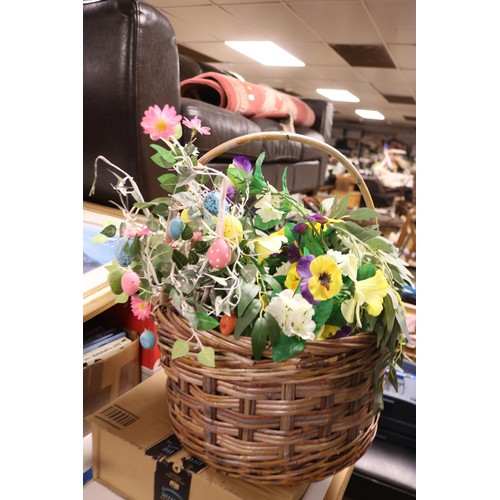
{"points": [[130, 62]]}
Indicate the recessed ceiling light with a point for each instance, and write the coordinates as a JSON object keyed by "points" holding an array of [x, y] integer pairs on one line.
{"points": [[338, 95], [369, 113], [266, 53]]}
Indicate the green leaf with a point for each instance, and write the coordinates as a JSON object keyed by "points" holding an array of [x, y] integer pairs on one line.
{"points": [[169, 182], [207, 357], [340, 210], [193, 257], [180, 348], [248, 292], [260, 224], [248, 316], [389, 312], [322, 311], [122, 298], [205, 322], [288, 347], [258, 183], [99, 239], [380, 244], [161, 209], [162, 157], [187, 233], [201, 246], [135, 247], [363, 214], [275, 286], [179, 258], [115, 280], [363, 234], [259, 337], [366, 271], [273, 328], [109, 231], [283, 182], [336, 317], [239, 178]]}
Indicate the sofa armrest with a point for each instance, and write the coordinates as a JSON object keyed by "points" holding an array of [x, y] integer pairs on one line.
{"points": [[324, 117], [130, 62]]}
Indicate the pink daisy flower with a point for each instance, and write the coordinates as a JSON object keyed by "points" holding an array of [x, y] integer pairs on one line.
{"points": [[140, 308], [131, 232], [195, 124], [160, 123]]}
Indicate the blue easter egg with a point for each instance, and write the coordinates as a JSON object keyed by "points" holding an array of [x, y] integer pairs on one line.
{"points": [[122, 249], [176, 227], [147, 339], [211, 203]]}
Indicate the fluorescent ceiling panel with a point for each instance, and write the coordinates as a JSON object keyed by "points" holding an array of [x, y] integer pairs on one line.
{"points": [[371, 114], [340, 95], [266, 53]]}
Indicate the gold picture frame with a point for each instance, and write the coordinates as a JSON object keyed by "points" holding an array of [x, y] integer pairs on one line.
{"points": [[97, 295]]}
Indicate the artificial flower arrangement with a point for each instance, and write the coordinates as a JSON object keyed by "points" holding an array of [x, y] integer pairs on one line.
{"points": [[233, 254]]}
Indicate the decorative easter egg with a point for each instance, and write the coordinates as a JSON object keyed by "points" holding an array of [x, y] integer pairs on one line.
{"points": [[219, 254], [233, 230], [147, 339], [185, 216], [122, 251], [175, 227], [130, 282], [197, 236], [211, 203]]}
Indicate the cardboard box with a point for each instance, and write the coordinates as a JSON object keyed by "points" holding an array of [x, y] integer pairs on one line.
{"points": [[109, 378], [136, 454]]}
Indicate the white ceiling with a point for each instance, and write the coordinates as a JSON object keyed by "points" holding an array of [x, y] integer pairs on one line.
{"points": [[305, 29]]}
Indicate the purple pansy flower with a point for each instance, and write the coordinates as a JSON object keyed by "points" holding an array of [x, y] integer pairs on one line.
{"points": [[318, 218], [293, 253], [243, 163], [230, 192], [343, 332], [300, 228], [303, 270]]}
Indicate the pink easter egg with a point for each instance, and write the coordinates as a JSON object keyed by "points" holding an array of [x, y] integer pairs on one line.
{"points": [[219, 254], [130, 282], [197, 236]]}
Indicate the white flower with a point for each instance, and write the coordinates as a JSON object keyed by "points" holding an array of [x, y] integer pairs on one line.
{"points": [[294, 314], [283, 269], [266, 206]]}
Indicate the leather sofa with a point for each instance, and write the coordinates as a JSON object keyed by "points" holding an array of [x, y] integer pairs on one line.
{"points": [[131, 61]]}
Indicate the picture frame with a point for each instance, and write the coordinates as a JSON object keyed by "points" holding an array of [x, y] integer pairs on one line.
{"points": [[97, 295]]}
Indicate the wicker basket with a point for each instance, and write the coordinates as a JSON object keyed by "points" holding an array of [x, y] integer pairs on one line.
{"points": [[296, 421]]}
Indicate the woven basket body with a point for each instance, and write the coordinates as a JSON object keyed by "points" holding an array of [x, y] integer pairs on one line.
{"points": [[296, 421], [276, 423]]}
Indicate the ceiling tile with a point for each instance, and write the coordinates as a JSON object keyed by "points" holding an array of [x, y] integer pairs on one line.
{"points": [[314, 53], [184, 31], [274, 21], [177, 3], [219, 51], [405, 56], [399, 99], [338, 22], [384, 14], [367, 56], [337, 73], [212, 20]]}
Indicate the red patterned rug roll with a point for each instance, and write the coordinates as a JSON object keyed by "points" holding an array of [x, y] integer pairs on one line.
{"points": [[249, 99]]}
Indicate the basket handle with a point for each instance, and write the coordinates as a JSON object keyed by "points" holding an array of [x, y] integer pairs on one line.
{"points": [[286, 136]]}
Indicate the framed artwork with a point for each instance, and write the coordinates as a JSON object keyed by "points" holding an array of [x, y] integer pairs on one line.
{"points": [[97, 296]]}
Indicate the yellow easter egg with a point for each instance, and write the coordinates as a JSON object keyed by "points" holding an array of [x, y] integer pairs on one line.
{"points": [[233, 230], [184, 216]]}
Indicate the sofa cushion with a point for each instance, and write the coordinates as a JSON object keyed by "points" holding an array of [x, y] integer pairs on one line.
{"points": [[277, 150], [224, 125]]}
